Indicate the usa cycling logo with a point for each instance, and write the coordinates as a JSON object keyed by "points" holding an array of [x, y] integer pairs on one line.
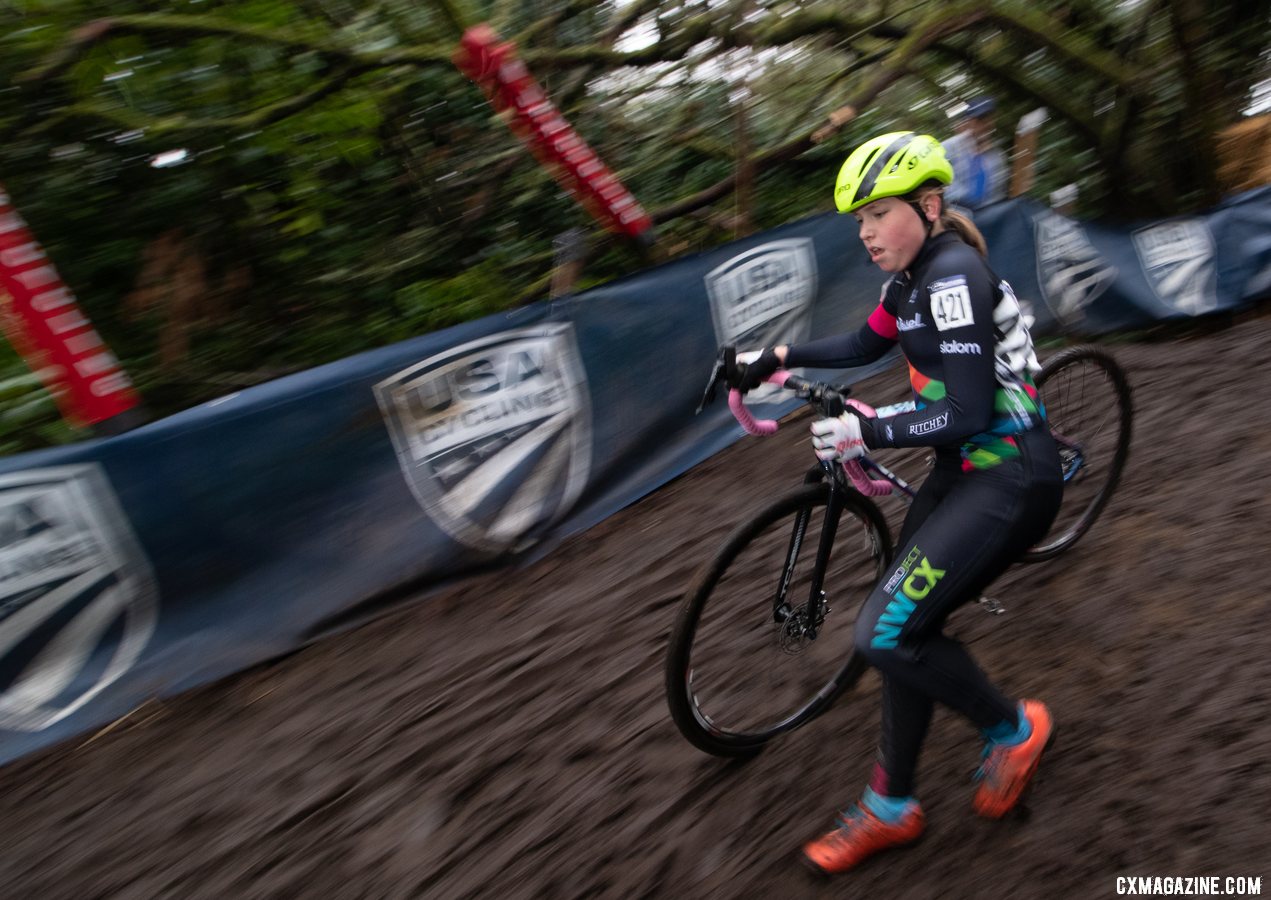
{"points": [[765, 295], [494, 437], [78, 601], [1178, 259], [1071, 272]]}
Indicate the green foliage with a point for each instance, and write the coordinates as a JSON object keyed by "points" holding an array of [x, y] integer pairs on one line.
{"points": [[29, 417], [333, 198]]}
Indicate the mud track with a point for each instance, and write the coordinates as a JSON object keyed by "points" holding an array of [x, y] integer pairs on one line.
{"points": [[510, 738]]}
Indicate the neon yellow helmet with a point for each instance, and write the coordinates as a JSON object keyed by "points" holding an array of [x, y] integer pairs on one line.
{"points": [[890, 165]]}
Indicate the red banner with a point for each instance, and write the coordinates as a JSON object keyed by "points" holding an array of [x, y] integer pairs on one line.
{"points": [[40, 317], [514, 93]]}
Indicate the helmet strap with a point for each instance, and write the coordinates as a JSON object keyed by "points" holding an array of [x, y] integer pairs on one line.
{"points": [[922, 214], [926, 223]]}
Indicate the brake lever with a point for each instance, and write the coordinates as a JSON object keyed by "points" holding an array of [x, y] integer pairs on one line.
{"points": [[724, 370]]}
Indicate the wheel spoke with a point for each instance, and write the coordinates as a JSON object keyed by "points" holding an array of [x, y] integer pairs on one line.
{"points": [[1087, 404], [750, 677]]}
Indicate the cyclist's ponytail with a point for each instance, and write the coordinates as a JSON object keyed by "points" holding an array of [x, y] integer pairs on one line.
{"points": [[965, 228], [954, 221]]}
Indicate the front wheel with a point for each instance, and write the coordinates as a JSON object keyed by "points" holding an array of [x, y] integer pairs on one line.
{"points": [[1087, 400], [750, 657]]}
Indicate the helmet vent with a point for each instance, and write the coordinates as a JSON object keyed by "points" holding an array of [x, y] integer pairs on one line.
{"points": [[890, 165], [879, 161], [869, 161]]}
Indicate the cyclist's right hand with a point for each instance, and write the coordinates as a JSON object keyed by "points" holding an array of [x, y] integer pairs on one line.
{"points": [[755, 367], [838, 438]]}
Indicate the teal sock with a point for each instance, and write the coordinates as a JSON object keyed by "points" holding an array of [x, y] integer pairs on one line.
{"points": [[1010, 734], [888, 809]]}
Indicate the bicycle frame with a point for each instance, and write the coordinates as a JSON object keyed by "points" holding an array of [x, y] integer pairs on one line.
{"points": [[831, 400], [823, 399], [1071, 456]]}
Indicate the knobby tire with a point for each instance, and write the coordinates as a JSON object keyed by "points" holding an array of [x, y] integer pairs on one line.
{"points": [[743, 605]]}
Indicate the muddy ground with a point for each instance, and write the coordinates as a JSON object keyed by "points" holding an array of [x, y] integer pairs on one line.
{"points": [[510, 737]]}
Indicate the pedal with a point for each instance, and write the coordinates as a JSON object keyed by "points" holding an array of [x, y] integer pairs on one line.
{"points": [[991, 606]]}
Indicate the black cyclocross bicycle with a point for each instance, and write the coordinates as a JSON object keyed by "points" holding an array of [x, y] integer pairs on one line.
{"points": [[764, 638]]}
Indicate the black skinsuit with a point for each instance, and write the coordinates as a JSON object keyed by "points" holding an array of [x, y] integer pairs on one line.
{"points": [[993, 493]]}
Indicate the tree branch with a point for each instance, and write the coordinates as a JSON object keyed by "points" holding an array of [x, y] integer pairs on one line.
{"points": [[897, 64], [85, 38], [552, 20], [1065, 104], [1070, 45], [169, 126], [1038, 26], [623, 19], [900, 61], [457, 14]]}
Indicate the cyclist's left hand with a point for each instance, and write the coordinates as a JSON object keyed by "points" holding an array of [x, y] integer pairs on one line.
{"points": [[759, 364], [838, 438]]}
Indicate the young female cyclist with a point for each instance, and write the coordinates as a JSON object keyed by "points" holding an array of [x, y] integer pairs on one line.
{"points": [[993, 492]]}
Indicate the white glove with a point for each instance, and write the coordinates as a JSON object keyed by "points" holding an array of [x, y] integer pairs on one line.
{"points": [[838, 438]]}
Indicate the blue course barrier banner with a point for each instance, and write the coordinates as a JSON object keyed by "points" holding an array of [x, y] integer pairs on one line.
{"points": [[1093, 278], [137, 566]]}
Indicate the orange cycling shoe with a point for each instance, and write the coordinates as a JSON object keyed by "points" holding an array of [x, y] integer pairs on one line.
{"points": [[1008, 768], [859, 835]]}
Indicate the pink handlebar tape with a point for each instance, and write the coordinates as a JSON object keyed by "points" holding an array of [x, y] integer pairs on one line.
{"points": [[870, 487], [749, 424]]}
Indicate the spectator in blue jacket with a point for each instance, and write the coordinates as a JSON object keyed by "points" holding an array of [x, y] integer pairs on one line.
{"points": [[979, 168]]}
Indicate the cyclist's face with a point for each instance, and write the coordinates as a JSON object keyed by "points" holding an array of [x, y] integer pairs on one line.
{"points": [[891, 232]]}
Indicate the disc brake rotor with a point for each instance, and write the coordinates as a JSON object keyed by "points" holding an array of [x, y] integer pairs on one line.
{"points": [[792, 635]]}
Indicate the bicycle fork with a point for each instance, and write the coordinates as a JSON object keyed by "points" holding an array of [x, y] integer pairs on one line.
{"points": [[813, 612]]}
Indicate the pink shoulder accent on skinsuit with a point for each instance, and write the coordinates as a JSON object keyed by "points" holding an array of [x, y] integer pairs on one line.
{"points": [[884, 323]]}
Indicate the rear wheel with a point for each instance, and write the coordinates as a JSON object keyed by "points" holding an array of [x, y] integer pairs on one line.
{"points": [[745, 663], [1087, 399]]}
